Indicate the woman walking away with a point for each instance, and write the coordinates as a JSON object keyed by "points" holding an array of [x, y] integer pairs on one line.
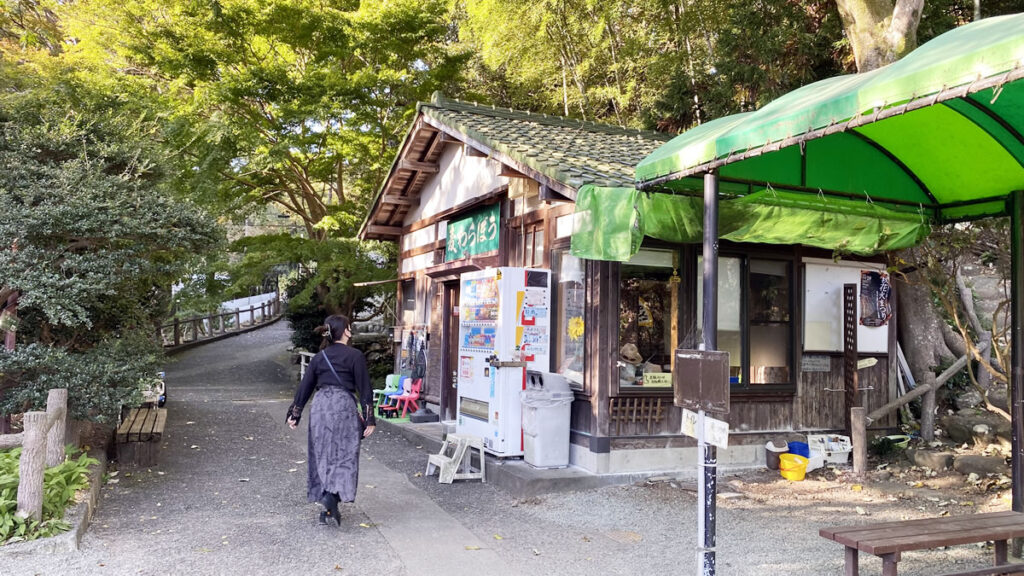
{"points": [[336, 421]]}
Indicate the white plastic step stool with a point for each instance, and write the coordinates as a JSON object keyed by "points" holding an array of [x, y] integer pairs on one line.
{"points": [[454, 459]]}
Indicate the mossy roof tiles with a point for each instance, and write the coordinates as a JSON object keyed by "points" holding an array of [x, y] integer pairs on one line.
{"points": [[570, 151]]}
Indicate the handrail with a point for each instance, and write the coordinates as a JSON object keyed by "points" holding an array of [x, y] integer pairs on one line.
{"points": [[269, 310], [42, 445]]}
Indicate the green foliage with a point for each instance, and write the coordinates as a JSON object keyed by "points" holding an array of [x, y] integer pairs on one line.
{"points": [[287, 102], [330, 286], [60, 484], [99, 380], [92, 237]]}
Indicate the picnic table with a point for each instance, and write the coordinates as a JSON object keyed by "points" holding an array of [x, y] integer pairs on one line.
{"points": [[888, 540]]}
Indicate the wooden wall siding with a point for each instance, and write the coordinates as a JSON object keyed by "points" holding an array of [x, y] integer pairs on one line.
{"points": [[822, 403], [760, 416], [637, 415]]}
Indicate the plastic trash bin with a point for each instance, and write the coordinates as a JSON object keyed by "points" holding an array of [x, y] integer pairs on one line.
{"points": [[546, 408]]}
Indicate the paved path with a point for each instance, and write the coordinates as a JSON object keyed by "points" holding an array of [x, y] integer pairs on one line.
{"points": [[229, 498]]}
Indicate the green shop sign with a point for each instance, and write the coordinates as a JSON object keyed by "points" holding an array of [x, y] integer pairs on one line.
{"points": [[474, 234]]}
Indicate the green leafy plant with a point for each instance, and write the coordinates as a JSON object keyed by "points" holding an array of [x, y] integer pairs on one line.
{"points": [[60, 483]]}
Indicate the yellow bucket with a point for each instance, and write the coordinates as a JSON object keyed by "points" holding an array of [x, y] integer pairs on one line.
{"points": [[792, 466]]}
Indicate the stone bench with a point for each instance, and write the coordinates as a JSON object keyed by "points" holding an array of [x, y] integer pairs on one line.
{"points": [[139, 436]]}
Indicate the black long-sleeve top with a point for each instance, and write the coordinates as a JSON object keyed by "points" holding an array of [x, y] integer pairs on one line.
{"points": [[350, 364]]}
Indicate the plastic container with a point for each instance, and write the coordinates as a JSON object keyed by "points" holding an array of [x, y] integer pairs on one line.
{"points": [[800, 449], [792, 467], [834, 447], [899, 440], [815, 460], [547, 402], [772, 453]]}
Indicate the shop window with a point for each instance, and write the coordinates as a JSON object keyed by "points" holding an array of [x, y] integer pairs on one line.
{"points": [[755, 321], [533, 245], [408, 312], [569, 283], [648, 307]]}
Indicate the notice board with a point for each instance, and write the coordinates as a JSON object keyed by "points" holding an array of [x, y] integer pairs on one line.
{"points": [[823, 307]]}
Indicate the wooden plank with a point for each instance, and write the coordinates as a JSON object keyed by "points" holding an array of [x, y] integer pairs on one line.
{"points": [[135, 432], [396, 199], [146, 434], [415, 166], [950, 538], [931, 533], [126, 425], [161, 421], [833, 532]]}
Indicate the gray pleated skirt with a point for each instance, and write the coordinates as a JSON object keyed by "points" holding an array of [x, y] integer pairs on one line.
{"points": [[334, 434]]}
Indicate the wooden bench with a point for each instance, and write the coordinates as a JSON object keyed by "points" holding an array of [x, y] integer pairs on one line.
{"points": [[139, 436], [889, 539]]}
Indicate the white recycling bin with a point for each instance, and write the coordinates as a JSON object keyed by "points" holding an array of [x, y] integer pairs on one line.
{"points": [[546, 407]]}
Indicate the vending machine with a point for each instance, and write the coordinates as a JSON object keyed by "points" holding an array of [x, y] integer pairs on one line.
{"points": [[504, 330]]}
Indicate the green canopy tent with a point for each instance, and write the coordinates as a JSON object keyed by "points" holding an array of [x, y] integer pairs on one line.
{"points": [[933, 138]]}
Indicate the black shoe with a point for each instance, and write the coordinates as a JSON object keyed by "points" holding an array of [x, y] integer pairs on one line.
{"points": [[330, 504], [323, 517]]}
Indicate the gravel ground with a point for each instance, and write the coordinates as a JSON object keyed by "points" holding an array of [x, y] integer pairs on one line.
{"points": [[228, 498]]}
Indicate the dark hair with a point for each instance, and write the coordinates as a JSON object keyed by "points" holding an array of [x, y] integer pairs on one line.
{"points": [[336, 326]]}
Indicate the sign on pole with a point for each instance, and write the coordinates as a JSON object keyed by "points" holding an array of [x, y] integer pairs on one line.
{"points": [[716, 432], [701, 380]]}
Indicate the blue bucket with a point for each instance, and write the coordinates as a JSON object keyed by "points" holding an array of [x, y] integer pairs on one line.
{"points": [[800, 449]]}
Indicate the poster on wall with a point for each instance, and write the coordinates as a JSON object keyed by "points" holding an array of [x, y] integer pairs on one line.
{"points": [[875, 298]]}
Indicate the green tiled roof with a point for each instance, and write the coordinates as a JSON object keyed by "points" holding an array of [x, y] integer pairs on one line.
{"points": [[570, 151]]}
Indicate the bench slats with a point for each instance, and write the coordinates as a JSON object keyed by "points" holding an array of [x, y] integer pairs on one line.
{"points": [[835, 530], [158, 428], [139, 436], [930, 533]]}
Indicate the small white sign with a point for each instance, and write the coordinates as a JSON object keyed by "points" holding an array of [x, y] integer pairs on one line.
{"points": [[866, 363], [716, 432]]}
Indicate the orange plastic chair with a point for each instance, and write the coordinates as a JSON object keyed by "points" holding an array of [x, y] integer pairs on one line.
{"points": [[412, 397]]}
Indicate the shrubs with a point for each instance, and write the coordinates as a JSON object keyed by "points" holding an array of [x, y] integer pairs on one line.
{"points": [[59, 486]]}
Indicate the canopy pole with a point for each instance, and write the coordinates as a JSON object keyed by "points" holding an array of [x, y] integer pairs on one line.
{"points": [[1017, 343], [706, 490]]}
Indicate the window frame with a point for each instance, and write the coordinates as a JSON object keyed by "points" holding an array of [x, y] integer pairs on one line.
{"points": [[746, 387], [680, 260], [563, 247]]}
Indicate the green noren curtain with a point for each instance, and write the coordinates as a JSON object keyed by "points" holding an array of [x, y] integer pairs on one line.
{"points": [[610, 223]]}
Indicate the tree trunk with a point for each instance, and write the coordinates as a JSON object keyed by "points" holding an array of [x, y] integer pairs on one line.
{"points": [[921, 330], [879, 32]]}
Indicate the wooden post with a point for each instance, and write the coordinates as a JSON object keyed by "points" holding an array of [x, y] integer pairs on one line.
{"points": [[928, 408], [220, 322], [263, 312], [57, 411], [860, 440], [31, 466], [252, 315], [177, 332], [195, 329], [238, 320]]}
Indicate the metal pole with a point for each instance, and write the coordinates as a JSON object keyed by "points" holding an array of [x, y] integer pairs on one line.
{"points": [[706, 489], [1017, 343]]}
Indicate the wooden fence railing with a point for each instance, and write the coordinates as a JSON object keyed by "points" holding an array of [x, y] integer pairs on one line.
{"points": [[42, 447], [202, 327]]}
